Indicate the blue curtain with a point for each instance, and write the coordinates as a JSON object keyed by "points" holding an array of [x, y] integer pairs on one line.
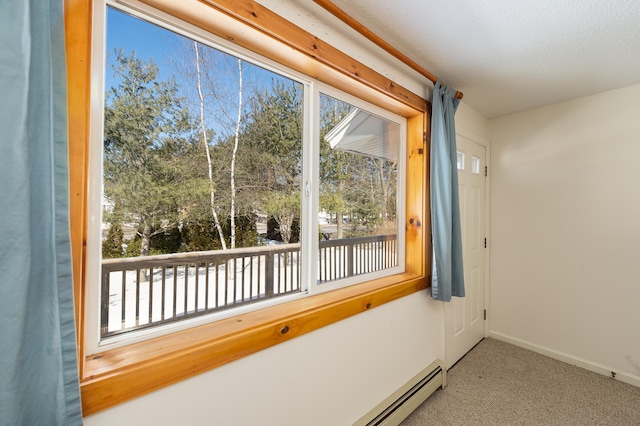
{"points": [[447, 272], [38, 360]]}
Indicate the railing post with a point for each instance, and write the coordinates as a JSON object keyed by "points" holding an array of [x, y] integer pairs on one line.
{"points": [[269, 281], [104, 302], [350, 256], [346, 257]]}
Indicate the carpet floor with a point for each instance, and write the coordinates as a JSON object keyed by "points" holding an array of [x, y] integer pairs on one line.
{"points": [[501, 384]]}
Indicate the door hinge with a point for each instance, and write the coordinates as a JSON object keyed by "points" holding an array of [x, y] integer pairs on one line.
{"points": [[486, 171], [485, 314], [485, 243]]}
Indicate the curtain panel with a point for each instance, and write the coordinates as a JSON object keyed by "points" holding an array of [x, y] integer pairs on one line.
{"points": [[39, 374], [447, 270]]}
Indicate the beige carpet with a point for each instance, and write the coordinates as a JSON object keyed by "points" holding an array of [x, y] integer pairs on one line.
{"points": [[501, 384]]}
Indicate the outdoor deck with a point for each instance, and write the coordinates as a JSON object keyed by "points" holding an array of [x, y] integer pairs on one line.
{"points": [[144, 292]]}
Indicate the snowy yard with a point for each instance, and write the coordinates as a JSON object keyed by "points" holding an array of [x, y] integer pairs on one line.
{"points": [[143, 292]]}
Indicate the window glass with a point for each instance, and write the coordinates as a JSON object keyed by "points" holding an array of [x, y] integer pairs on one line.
{"points": [[475, 165], [202, 172], [460, 160], [204, 154], [359, 154]]}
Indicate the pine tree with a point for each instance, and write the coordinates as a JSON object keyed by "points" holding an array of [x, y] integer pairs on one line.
{"points": [[274, 135], [144, 123]]}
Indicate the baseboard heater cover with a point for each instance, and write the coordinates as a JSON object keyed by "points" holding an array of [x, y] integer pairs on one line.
{"points": [[405, 400]]}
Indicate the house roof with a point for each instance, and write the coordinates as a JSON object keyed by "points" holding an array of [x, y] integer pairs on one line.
{"points": [[361, 132]]}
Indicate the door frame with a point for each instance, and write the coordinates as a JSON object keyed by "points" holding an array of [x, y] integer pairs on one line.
{"points": [[473, 327], [487, 224]]}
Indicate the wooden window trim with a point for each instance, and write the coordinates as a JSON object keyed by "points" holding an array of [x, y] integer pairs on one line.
{"points": [[121, 374]]}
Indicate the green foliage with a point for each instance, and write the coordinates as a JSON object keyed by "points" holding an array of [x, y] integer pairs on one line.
{"points": [[145, 136], [156, 170], [132, 248], [112, 245], [199, 236], [273, 134], [193, 236], [246, 232], [273, 230], [353, 185], [166, 240]]}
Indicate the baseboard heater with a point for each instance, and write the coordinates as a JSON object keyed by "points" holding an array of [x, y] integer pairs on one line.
{"points": [[402, 402]]}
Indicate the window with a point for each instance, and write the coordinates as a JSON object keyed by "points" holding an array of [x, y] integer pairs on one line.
{"points": [[475, 165], [359, 193], [210, 203], [460, 160], [120, 372]]}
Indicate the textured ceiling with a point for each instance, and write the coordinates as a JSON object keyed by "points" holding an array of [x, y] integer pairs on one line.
{"points": [[507, 55]]}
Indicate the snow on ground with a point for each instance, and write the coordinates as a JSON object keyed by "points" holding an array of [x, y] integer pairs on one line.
{"points": [[189, 289]]}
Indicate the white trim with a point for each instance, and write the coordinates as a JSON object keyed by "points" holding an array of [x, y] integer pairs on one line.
{"points": [[473, 137], [401, 191], [569, 359], [487, 231], [310, 187], [94, 181]]}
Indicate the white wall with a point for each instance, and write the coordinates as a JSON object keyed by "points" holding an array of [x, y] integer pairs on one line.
{"points": [[472, 125], [332, 376], [565, 240]]}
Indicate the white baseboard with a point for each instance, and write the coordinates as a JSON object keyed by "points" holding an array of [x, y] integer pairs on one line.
{"points": [[569, 359]]}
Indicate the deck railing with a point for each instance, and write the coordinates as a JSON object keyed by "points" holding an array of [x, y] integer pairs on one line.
{"points": [[142, 292]]}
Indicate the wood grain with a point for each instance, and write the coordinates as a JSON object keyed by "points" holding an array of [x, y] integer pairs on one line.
{"points": [[378, 41], [77, 17], [417, 217], [125, 373], [121, 374]]}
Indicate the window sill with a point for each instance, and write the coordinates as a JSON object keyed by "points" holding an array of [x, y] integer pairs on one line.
{"points": [[125, 373]]}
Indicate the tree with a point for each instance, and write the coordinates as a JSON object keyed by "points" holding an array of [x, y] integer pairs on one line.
{"points": [[112, 246], [353, 183], [273, 133], [232, 179], [335, 166], [144, 125], [216, 87], [205, 143]]}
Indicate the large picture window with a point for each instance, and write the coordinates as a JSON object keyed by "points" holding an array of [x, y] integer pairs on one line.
{"points": [[157, 305], [229, 183]]}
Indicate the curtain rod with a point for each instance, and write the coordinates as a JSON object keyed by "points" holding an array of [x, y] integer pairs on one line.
{"points": [[347, 19]]}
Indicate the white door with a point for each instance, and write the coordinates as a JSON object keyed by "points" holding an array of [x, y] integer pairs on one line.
{"points": [[464, 317]]}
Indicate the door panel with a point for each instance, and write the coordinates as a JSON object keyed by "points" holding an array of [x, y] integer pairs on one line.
{"points": [[464, 317]]}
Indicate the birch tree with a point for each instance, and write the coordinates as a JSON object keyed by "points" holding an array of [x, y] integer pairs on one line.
{"points": [[216, 86], [205, 143], [232, 212]]}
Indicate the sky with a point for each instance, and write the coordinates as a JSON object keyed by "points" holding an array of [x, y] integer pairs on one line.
{"points": [[151, 41], [148, 40]]}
